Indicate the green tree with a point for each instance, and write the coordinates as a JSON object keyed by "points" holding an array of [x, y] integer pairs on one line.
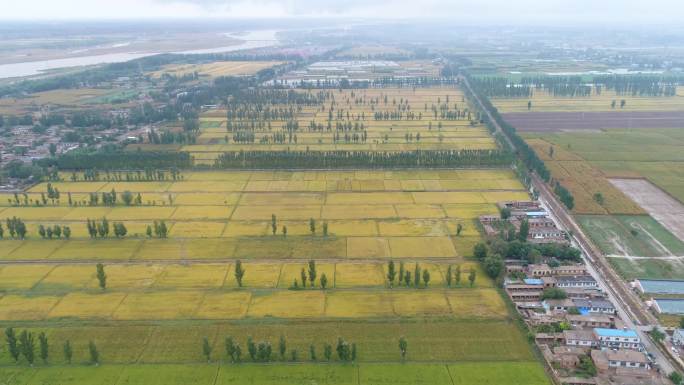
{"points": [[554, 293], [416, 275], [324, 281], [43, 346], [426, 277], [302, 275], [402, 269], [274, 224], [206, 349], [230, 348], [407, 278], [676, 378], [12, 344], [284, 231], [101, 276], [391, 273], [312, 352], [353, 352], [312, 273], [325, 229], [27, 346], [459, 228], [282, 347], [312, 226], [493, 265], [68, 352], [457, 275], [480, 251], [471, 277], [251, 348], [598, 198], [239, 272], [403, 346], [524, 230], [681, 323], [657, 335], [94, 353], [327, 351], [238, 353]]}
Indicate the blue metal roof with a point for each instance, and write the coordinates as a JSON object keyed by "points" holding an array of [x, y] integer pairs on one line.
{"points": [[533, 281], [629, 333]]}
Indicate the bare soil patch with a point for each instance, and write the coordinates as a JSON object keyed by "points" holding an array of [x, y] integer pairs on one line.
{"points": [[662, 207]]}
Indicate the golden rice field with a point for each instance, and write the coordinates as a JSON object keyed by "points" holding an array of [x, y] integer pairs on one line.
{"points": [[225, 215], [210, 291], [543, 101], [216, 69]]}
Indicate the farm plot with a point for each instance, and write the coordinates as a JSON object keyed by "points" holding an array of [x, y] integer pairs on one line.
{"points": [[545, 102], [638, 236], [435, 118], [164, 295], [225, 215]]}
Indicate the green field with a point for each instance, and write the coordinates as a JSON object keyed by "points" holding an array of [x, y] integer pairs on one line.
{"points": [[654, 154], [327, 374], [653, 268], [613, 235]]}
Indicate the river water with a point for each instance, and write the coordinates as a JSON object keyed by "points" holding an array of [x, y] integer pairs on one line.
{"points": [[251, 40]]}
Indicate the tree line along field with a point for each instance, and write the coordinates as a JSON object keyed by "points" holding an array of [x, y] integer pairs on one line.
{"points": [[210, 216], [544, 101]]}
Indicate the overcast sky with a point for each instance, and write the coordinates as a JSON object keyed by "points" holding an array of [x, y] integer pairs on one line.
{"points": [[508, 11]]}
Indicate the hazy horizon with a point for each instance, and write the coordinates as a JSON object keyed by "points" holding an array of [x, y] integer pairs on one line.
{"points": [[522, 12]]}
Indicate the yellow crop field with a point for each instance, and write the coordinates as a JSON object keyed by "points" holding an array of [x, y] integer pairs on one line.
{"points": [[192, 276], [231, 305], [418, 247], [159, 305], [19, 307], [197, 229], [358, 274], [481, 303], [36, 249], [67, 277], [358, 304], [87, 306], [101, 249], [367, 247], [417, 303], [259, 275], [216, 69], [547, 102], [288, 304], [22, 277], [132, 276], [201, 212]]}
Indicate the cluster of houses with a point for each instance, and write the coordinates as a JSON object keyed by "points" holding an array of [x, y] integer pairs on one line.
{"points": [[541, 228], [574, 320]]}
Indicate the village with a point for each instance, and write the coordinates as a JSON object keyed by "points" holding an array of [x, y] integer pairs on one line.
{"points": [[571, 318]]}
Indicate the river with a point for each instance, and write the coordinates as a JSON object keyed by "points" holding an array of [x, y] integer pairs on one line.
{"points": [[251, 40]]}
